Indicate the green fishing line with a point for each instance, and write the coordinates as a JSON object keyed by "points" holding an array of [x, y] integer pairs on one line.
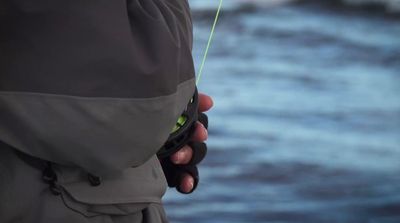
{"points": [[182, 119], [209, 42]]}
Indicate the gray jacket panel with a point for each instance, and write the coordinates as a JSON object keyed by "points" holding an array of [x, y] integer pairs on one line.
{"points": [[100, 135]]}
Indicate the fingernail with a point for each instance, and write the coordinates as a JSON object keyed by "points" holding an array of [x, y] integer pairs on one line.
{"points": [[191, 183]]}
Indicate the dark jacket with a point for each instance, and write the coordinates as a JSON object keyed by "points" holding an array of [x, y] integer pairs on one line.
{"points": [[94, 87]]}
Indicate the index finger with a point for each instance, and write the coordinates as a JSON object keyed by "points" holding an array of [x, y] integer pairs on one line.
{"points": [[205, 102]]}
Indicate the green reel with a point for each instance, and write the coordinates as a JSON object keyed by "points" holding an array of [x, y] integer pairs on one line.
{"points": [[183, 129]]}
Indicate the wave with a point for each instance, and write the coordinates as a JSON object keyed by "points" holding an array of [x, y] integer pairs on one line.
{"points": [[386, 6], [391, 7]]}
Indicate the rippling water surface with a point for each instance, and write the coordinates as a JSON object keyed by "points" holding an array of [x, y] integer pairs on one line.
{"points": [[306, 124]]}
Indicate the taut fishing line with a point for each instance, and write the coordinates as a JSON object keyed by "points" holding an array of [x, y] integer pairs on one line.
{"points": [[209, 42]]}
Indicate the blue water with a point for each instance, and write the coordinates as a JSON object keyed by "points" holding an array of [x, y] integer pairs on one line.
{"points": [[306, 124]]}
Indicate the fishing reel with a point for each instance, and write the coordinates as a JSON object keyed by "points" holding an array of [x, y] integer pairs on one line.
{"points": [[183, 129], [180, 136]]}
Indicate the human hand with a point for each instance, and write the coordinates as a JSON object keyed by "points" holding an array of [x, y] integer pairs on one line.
{"points": [[185, 155]]}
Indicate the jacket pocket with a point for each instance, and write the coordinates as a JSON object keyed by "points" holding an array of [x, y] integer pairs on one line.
{"points": [[128, 192]]}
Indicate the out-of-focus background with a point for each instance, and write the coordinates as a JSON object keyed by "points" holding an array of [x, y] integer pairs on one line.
{"points": [[306, 124]]}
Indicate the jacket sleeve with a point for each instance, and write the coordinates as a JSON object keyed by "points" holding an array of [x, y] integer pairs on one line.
{"points": [[97, 85]]}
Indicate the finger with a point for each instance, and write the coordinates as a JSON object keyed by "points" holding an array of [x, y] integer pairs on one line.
{"points": [[200, 134], [183, 156], [203, 119], [187, 184], [189, 179], [199, 152], [205, 102]]}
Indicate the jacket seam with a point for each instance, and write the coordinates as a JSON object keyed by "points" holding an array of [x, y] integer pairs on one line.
{"points": [[63, 96]]}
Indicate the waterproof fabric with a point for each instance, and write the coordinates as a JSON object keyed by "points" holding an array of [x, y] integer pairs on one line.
{"points": [[27, 199], [93, 87]]}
